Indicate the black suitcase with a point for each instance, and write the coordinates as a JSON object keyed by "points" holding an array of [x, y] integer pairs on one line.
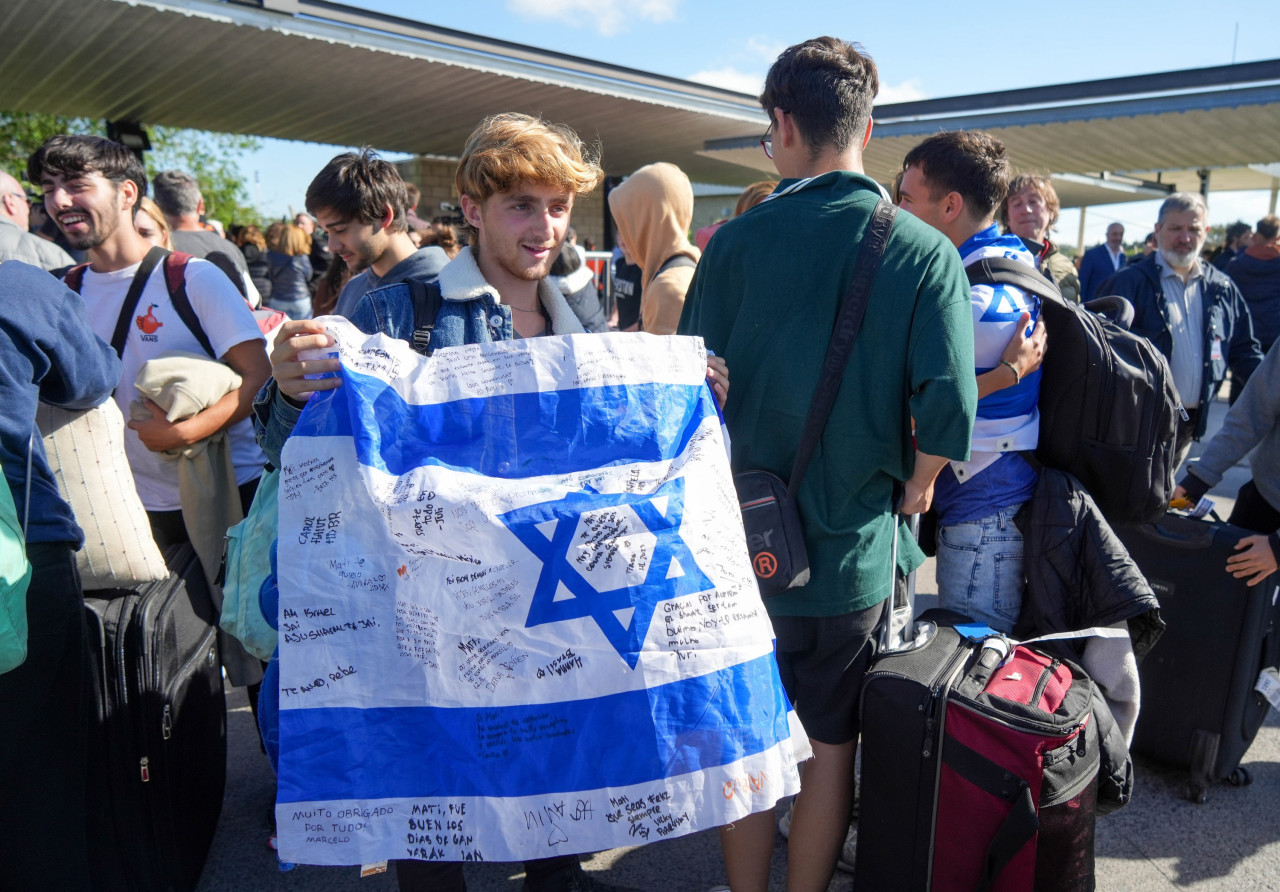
{"points": [[158, 752], [1199, 708], [902, 708]]}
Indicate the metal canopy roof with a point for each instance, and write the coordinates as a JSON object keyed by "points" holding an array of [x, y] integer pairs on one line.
{"points": [[1222, 119], [324, 72], [329, 73]]}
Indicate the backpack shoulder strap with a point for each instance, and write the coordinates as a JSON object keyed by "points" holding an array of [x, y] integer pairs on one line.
{"points": [[427, 301], [673, 262], [74, 276], [121, 332], [175, 277], [1003, 271], [228, 266]]}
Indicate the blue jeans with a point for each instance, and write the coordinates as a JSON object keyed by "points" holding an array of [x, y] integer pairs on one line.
{"points": [[980, 569], [294, 309]]}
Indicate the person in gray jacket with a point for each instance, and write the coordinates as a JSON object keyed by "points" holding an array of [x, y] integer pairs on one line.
{"points": [[16, 243], [1254, 421]]}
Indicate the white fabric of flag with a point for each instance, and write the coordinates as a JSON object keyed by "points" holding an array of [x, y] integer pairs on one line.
{"points": [[517, 613]]}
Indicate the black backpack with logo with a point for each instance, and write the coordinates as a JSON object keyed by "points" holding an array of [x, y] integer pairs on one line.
{"points": [[1108, 406]]}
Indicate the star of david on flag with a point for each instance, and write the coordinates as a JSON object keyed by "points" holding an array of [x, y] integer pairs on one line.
{"points": [[588, 536], [516, 603]]}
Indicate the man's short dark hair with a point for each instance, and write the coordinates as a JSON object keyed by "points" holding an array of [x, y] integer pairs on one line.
{"points": [[828, 86], [1237, 229], [360, 186], [177, 194], [64, 155], [970, 162], [1268, 228]]}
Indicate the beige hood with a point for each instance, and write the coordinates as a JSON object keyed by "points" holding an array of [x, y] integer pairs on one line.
{"points": [[653, 209]]}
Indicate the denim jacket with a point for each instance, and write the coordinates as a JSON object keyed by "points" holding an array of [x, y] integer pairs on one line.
{"points": [[471, 313]]}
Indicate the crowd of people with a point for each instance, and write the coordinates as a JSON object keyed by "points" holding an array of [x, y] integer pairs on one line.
{"points": [[941, 408]]}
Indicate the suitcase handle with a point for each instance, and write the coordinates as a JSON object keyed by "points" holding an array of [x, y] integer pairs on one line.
{"points": [[1183, 532]]}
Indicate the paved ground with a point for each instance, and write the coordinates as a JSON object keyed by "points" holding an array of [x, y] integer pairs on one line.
{"points": [[1160, 841]]}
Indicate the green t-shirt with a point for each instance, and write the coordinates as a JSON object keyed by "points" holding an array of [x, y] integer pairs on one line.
{"points": [[765, 297]]}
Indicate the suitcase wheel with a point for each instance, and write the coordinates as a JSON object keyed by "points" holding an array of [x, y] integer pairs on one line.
{"points": [[1197, 793], [1240, 777]]}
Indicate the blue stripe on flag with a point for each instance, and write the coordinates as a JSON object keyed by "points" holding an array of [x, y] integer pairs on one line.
{"points": [[514, 435], [693, 724]]}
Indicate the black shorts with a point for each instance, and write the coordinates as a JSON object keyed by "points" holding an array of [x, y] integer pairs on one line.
{"points": [[822, 660]]}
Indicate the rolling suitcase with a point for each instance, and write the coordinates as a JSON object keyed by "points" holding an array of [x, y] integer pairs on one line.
{"points": [[976, 773], [1199, 708], [158, 752]]}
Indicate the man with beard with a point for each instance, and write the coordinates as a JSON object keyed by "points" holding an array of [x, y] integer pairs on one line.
{"points": [[1193, 314], [361, 201], [92, 187]]}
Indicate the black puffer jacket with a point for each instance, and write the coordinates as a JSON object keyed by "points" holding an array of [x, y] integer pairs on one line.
{"points": [[1079, 574]]}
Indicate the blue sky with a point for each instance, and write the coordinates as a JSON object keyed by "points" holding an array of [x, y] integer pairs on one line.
{"points": [[923, 49]]}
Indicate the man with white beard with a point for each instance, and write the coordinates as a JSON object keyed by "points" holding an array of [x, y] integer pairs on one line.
{"points": [[1194, 314]]}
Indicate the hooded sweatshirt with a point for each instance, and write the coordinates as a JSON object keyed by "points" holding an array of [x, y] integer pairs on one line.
{"points": [[653, 209]]}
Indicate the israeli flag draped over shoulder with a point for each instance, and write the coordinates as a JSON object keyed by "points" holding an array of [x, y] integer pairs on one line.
{"points": [[517, 614]]}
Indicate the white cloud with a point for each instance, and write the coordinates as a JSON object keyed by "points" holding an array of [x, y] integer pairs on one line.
{"points": [[750, 82], [766, 49], [907, 91], [608, 17]]}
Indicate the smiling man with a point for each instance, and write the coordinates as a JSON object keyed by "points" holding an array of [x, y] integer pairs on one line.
{"points": [[92, 187], [518, 179], [361, 202], [1194, 314]]}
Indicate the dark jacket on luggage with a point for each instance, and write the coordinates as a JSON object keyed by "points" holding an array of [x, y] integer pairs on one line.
{"points": [[1079, 574], [1226, 316]]}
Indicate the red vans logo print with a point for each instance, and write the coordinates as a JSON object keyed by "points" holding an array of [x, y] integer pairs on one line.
{"points": [[149, 324]]}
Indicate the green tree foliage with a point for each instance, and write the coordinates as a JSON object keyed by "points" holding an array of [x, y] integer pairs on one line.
{"points": [[21, 134], [210, 157]]}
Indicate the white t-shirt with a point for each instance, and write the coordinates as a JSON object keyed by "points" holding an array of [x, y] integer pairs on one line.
{"points": [[157, 328]]}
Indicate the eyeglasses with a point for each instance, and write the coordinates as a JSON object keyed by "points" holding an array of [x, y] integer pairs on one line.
{"points": [[766, 143]]}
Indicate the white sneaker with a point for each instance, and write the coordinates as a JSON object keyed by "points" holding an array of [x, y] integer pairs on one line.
{"points": [[784, 822]]}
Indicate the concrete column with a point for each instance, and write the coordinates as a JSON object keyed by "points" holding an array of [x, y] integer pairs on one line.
{"points": [[1080, 238]]}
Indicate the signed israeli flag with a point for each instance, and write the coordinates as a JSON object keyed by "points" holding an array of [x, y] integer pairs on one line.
{"points": [[517, 613]]}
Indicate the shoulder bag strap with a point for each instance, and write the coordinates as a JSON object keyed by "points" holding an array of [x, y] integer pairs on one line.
{"points": [[839, 348], [426, 307], [175, 277], [154, 256]]}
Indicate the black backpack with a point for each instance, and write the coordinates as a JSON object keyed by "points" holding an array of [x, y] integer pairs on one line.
{"points": [[1108, 406]]}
